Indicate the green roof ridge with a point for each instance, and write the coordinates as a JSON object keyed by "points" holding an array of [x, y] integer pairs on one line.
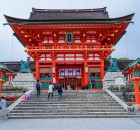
{"points": [[3, 66], [137, 61]]}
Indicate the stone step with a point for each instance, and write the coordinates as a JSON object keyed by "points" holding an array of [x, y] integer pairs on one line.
{"points": [[66, 110], [70, 116], [74, 97], [69, 102], [46, 104], [73, 93], [65, 99], [75, 104], [76, 93], [66, 95], [66, 106], [79, 91], [72, 113]]}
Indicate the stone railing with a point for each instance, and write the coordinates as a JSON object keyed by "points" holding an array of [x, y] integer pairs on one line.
{"points": [[124, 105], [11, 107], [4, 113]]}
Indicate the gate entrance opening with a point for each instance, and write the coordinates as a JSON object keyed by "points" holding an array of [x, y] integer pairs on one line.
{"points": [[70, 78]]}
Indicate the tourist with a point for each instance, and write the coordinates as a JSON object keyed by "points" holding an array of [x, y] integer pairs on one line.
{"points": [[60, 91], [38, 85], [3, 103], [86, 87], [50, 91], [25, 96], [93, 83], [54, 83], [68, 87]]}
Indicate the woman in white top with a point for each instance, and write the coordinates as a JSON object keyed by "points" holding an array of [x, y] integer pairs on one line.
{"points": [[50, 91], [68, 87], [54, 83]]}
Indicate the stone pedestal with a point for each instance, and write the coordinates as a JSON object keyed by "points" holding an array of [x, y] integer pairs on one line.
{"points": [[24, 80], [137, 108], [4, 113], [110, 77]]}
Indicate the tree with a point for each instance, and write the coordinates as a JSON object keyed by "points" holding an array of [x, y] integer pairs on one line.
{"points": [[124, 58]]}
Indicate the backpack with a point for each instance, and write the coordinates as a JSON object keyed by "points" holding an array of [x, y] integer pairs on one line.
{"points": [[93, 82], [59, 88], [37, 85]]}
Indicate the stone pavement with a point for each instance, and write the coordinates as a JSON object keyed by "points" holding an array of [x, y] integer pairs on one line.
{"points": [[71, 124]]}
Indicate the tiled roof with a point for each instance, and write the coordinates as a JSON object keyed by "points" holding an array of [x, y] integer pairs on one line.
{"points": [[15, 66], [4, 67], [77, 14], [47, 16], [137, 61]]}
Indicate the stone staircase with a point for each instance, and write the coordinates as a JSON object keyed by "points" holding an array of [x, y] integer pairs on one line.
{"points": [[75, 104]]}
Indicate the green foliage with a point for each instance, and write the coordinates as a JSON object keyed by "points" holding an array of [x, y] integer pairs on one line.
{"points": [[124, 58], [122, 88], [114, 58], [125, 88], [113, 88]]}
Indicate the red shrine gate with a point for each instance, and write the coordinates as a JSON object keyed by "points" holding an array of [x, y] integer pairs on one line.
{"points": [[69, 44]]}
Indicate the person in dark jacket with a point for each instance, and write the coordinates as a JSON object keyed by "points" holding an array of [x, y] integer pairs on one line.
{"points": [[93, 83], [60, 91], [38, 85]]}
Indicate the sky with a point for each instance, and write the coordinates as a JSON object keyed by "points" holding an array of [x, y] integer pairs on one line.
{"points": [[12, 50]]}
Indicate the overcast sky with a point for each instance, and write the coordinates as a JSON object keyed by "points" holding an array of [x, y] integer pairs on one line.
{"points": [[128, 46]]}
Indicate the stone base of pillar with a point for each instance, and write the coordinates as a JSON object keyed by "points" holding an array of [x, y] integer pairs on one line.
{"points": [[4, 113], [24, 80], [137, 108], [109, 79]]}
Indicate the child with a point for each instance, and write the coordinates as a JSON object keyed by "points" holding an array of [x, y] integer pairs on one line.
{"points": [[25, 96]]}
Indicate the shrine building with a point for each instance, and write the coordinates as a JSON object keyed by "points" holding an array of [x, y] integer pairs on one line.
{"points": [[71, 45], [133, 71], [4, 71]]}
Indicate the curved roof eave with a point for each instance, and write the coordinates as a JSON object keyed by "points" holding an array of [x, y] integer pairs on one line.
{"points": [[18, 20], [137, 61], [5, 68]]}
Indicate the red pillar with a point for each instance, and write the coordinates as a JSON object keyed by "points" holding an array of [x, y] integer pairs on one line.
{"points": [[102, 69], [10, 79], [37, 70], [0, 88], [86, 72], [83, 77], [54, 71], [0, 84], [129, 76], [137, 96], [57, 76], [53, 68]]}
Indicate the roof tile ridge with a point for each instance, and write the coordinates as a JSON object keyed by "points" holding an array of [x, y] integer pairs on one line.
{"points": [[70, 10]]}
